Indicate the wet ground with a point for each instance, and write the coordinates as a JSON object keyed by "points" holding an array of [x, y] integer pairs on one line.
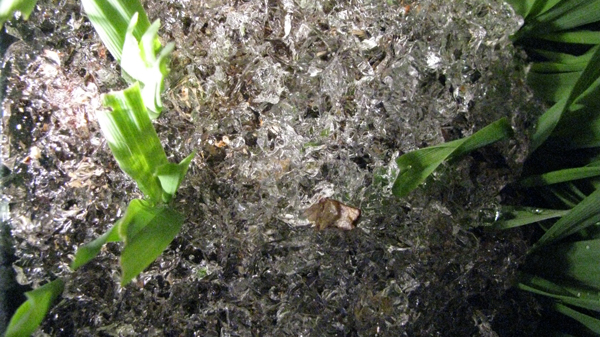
{"points": [[286, 102]]}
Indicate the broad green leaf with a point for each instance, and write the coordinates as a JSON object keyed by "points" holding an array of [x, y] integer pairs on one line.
{"points": [[146, 245], [8, 7], [30, 314], [142, 63], [138, 214], [111, 19], [171, 175], [571, 263], [552, 87], [561, 176], [511, 217], [592, 323], [414, 167], [133, 140]]}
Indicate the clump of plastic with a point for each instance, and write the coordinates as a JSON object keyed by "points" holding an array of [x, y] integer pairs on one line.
{"points": [[287, 103]]}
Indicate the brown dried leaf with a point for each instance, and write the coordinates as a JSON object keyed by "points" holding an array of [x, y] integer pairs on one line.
{"points": [[332, 213]]}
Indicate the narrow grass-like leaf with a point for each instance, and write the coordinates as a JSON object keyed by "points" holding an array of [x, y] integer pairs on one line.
{"points": [[551, 68], [519, 216], [577, 296], [568, 193], [30, 314], [414, 167], [556, 16], [592, 323], [531, 8], [547, 122], [147, 244], [111, 19], [87, 252], [142, 63], [171, 175], [585, 214], [561, 176], [578, 37], [9, 7], [566, 58], [133, 140]]}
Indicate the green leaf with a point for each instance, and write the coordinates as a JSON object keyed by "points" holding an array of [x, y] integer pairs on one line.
{"points": [[111, 19], [90, 250], [142, 63], [30, 314], [545, 17], [585, 214], [572, 263], [148, 243], [552, 87], [573, 295], [511, 217], [592, 323], [561, 176], [576, 37], [414, 167], [133, 140], [171, 175], [8, 7], [138, 214], [578, 129]]}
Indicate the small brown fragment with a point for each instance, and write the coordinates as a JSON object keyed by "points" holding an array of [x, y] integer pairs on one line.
{"points": [[332, 213]]}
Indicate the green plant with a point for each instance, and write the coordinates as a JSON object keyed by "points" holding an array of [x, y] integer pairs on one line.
{"points": [[9, 7], [126, 31], [563, 170], [148, 225], [31, 313], [564, 167], [414, 167]]}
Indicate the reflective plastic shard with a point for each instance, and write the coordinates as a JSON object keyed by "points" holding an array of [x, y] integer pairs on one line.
{"points": [[332, 213]]}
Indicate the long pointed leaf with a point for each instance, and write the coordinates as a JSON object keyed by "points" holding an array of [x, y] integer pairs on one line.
{"points": [[580, 297], [111, 19], [133, 140], [142, 63], [8, 7], [414, 167], [511, 217], [147, 244], [561, 176], [30, 314], [585, 214], [171, 175], [589, 322]]}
